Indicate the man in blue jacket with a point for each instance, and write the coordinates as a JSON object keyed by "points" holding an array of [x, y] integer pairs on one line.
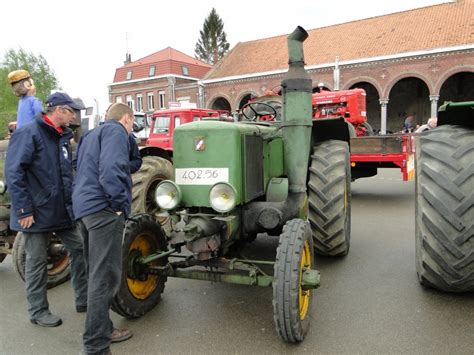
{"points": [[101, 202], [38, 171]]}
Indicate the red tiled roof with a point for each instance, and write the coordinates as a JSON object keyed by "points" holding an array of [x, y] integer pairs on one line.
{"points": [[438, 26], [166, 61]]}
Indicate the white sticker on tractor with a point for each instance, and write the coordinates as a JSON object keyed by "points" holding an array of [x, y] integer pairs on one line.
{"points": [[201, 176]]}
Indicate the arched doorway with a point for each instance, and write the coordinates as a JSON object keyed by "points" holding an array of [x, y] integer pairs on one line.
{"points": [[244, 100], [458, 87], [319, 88], [408, 97], [221, 103], [372, 103]]}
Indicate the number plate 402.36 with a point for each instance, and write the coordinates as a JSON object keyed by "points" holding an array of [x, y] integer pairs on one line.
{"points": [[201, 176]]}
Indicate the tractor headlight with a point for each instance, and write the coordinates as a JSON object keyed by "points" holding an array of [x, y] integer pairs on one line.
{"points": [[222, 197], [167, 195], [3, 187]]}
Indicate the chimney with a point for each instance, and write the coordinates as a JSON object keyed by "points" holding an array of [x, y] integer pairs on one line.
{"points": [[128, 59]]}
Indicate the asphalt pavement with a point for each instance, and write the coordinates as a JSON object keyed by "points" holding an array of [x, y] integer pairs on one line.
{"points": [[369, 302]]}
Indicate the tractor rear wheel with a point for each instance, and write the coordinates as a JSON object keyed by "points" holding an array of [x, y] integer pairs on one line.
{"points": [[140, 292], [153, 170], [329, 194], [444, 208], [352, 130], [58, 265], [291, 303], [369, 131]]}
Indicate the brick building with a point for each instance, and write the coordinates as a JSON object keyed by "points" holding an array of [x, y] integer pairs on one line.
{"points": [[408, 62], [152, 82]]}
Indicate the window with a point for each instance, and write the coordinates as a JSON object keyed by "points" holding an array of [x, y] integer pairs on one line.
{"points": [[130, 101], [177, 121], [150, 101], [129, 74], [139, 102], [161, 99], [151, 71], [141, 120], [185, 70], [161, 124], [118, 99]]}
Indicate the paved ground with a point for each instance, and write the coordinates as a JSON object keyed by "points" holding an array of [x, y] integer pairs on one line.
{"points": [[369, 302]]}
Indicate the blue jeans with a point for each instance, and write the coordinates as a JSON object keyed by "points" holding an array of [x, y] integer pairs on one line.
{"points": [[36, 272], [102, 233]]}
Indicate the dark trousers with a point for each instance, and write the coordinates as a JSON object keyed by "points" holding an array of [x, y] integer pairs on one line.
{"points": [[102, 233], [36, 272]]}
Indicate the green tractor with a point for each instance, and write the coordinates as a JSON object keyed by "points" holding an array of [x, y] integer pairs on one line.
{"points": [[288, 178]]}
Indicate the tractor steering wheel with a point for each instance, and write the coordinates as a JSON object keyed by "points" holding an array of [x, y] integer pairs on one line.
{"points": [[259, 111]]}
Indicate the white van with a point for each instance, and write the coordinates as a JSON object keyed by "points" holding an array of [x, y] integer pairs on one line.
{"points": [[142, 120]]}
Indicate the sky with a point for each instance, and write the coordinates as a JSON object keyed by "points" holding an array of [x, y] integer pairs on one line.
{"points": [[85, 41]]}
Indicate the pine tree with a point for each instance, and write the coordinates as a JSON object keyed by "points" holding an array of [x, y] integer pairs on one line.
{"points": [[212, 44]]}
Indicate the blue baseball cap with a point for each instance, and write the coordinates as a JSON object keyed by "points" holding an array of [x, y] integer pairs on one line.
{"points": [[61, 99]]}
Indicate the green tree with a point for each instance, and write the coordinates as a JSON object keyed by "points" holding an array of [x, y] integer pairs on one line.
{"points": [[212, 44], [42, 74]]}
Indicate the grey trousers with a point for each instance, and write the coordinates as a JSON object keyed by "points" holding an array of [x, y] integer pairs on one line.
{"points": [[36, 272], [102, 233]]}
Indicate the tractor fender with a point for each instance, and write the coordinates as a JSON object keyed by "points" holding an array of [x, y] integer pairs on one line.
{"points": [[330, 129], [156, 152], [457, 114]]}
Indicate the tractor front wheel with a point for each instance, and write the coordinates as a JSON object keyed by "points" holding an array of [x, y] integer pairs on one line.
{"points": [[139, 291], [291, 303], [444, 208], [152, 172], [329, 194]]}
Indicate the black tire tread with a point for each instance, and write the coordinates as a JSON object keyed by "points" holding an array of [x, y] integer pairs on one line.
{"points": [[19, 262], [286, 281], [152, 166], [444, 221], [124, 303], [329, 181]]}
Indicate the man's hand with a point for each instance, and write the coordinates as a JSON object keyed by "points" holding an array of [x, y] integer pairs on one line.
{"points": [[26, 222]]}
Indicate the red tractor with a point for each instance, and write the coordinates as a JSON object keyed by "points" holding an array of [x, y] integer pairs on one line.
{"points": [[349, 104], [368, 151]]}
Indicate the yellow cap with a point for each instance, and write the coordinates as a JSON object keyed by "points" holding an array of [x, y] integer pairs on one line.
{"points": [[18, 75]]}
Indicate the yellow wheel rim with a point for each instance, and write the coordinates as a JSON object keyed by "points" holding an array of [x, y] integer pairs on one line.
{"points": [[142, 289], [304, 295]]}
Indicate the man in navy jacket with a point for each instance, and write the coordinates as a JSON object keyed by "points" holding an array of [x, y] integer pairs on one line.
{"points": [[38, 171], [101, 202]]}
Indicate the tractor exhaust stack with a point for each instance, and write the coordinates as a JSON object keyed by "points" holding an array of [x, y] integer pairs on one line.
{"points": [[296, 129]]}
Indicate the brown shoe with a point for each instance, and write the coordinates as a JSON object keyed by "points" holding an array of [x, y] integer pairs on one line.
{"points": [[119, 335]]}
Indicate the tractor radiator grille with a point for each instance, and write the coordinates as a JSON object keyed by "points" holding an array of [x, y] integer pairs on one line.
{"points": [[253, 146]]}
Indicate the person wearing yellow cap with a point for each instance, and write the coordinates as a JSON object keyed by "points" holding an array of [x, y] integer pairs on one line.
{"points": [[29, 105]]}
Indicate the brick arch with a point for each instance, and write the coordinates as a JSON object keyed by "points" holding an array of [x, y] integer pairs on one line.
{"points": [[242, 94], [218, 96], [449, 73], [395, 80], [363, 79], [325, 84]]}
